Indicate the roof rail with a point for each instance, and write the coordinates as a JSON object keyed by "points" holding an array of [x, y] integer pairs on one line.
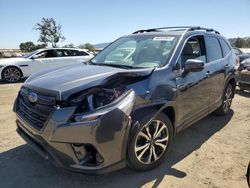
{"points": [[203, 28], [179, 28]]}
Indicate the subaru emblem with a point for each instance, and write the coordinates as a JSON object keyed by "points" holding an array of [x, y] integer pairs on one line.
{"points": [[32, 97]]}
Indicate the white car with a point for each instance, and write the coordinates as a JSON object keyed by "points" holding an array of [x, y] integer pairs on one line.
{"points": [[13, 69]]}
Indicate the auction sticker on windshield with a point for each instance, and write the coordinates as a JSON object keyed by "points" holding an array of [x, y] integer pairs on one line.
{"points": [[163, 38]]}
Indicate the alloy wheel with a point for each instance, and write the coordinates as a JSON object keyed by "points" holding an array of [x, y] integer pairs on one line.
{"points": [[151, 142], [12, 75], [227, 99]]}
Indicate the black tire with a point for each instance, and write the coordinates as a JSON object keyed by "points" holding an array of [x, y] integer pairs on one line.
{"points": [[248, 175], [12, 74], [226, 101], [164, 130]]}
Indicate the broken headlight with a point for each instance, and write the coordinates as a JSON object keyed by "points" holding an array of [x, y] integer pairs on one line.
{"points": [[101, 103]]}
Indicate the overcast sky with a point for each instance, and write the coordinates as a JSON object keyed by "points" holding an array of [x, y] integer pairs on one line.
{"points": [[98, 21]]}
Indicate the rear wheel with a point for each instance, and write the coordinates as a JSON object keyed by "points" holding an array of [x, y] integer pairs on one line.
{"points": [[150, 143], [12, 74], [227, 101]]}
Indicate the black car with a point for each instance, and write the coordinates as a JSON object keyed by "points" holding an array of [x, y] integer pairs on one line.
{"points": [[242, 56], [244, 75], [127, 104]]}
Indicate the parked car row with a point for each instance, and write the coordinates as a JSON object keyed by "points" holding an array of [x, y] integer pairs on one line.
{"points": [[10, 54], [242, 56], [13, 69], [244, 75], [126, 105]]}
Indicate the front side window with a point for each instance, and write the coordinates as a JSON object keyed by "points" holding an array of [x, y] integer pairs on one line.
{"points": [[46, 54], [41, 55], [213, 49], [193, 49], [138, 51]]}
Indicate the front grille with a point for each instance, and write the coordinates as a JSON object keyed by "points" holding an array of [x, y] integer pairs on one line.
{"points": [[36, 114]]}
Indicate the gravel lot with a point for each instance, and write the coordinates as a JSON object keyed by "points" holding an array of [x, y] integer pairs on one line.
{"points": [[212, 153]]}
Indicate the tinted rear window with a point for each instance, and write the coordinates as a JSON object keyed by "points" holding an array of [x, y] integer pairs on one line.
{"points": [[225, 47], [213, 49]]}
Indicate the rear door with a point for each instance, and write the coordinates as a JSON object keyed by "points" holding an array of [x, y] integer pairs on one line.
{"points": [[216, 70]]}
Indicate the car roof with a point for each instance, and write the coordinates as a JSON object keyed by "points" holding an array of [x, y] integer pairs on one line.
{"points": [[79, 49], [179, 30]]}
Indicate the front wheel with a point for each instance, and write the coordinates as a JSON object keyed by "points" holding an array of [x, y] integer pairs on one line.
{"points": [[11, 74], [227, 101], [150, 143]]}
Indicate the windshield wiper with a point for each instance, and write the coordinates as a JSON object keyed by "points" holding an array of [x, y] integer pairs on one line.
{"points": [[114, 65], [119, 66]]}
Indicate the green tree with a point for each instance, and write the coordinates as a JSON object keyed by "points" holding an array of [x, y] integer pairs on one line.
{"points": [[50, 32], [69, 45], [30, 46], [39, 46], [27, 46], [239, 43], [88, 46]]}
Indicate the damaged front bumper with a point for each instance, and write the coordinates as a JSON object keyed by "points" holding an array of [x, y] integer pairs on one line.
{"points": [[95, 144]]}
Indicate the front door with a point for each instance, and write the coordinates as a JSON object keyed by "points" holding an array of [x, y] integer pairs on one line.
{"points": [[193, 87]]}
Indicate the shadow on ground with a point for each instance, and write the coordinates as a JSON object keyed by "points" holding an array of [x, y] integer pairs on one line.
{"points": [[245, 93], [2, 82], [22, 167]]}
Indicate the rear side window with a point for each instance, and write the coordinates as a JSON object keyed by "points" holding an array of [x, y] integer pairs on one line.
{"points": [[213, 49], [78, 53], [82, 53], [62, 53], [225, 48]]}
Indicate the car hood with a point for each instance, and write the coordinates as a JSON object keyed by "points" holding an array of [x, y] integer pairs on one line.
{"points": [[11, 61], [68, 80]]}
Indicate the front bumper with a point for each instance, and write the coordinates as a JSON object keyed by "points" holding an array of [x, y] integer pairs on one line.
{"points": [[107, 137]]}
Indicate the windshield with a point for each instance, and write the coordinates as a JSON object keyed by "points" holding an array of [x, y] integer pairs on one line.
{"points": [[138, 51], [28, 55]]}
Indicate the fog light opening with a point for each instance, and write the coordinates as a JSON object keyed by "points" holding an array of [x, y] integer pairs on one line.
{"points": [[87, 154], [80, 151]]}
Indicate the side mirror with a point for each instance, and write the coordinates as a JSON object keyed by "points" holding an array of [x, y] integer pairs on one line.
{"points": [[194, 65]]}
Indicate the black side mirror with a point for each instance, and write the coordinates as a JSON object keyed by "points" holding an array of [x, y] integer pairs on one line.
{"points": [[194, 65]]}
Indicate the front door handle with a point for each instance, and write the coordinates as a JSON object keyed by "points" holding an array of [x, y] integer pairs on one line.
{"points": [[227, 66]]}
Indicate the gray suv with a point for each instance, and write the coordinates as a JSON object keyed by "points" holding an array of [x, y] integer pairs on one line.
{"points": [[127, 104]]}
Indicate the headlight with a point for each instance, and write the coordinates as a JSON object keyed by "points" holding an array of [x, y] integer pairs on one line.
{"points": [[124, 102]]}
